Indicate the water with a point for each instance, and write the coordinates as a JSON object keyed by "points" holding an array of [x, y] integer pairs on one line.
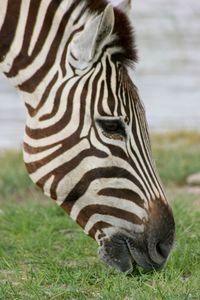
{"points": [[168, 74], [168, 34]]}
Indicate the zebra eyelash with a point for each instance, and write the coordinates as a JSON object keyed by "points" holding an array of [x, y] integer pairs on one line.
{"points": [[112, 128]]}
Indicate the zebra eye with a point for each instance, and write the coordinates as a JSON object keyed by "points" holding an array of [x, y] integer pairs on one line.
{"points": [[114, 129]]}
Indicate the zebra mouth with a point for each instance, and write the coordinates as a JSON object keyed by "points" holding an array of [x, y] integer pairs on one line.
{"points": [[139, 255], [120, 253], [117, 255], [123, 254]]}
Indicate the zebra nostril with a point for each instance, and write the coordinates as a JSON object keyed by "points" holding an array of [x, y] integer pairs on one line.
{"points": [[163, 249], [159, 251], [158, 254]]}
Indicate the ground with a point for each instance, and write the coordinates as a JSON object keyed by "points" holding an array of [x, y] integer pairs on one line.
{"points": [[44, 255]]}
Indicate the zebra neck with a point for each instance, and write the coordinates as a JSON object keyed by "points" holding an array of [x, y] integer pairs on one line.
{"points": [[34, 40]]}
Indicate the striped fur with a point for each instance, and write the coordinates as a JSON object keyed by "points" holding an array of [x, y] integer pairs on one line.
{"points": [[101, 178]]}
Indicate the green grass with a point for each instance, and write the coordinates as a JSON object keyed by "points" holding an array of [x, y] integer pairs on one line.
{"points": [[45, 255], [177, 155]]}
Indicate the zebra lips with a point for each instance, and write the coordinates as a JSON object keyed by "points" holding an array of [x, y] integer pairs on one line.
{"points": [[117, 249], [115, 253]]}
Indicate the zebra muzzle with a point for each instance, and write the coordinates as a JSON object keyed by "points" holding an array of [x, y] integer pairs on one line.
{"points": [[122, 253], [122, 250]]}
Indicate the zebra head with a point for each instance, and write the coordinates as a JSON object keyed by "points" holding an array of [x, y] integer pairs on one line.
{"points": [[113, 190], [86, 142]]}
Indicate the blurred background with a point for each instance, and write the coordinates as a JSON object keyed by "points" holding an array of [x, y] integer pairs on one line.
{"points": [[167, 75]]}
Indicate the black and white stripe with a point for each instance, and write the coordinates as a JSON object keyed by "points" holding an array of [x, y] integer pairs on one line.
{"points": [[86, 142]]}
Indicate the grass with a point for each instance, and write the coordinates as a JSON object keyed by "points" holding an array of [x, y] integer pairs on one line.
{"points": [[45, 255]]}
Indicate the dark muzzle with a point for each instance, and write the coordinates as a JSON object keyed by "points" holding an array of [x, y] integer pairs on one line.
{"points": [[149, 249]]}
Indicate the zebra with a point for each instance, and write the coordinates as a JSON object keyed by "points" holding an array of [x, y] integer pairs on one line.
{"points": [[86, 140]]}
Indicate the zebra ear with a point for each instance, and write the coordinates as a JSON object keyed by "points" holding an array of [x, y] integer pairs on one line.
{"points": [[125, 6], [91, 40]]}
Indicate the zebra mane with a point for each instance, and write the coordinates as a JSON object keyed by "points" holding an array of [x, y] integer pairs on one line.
{"points": [[123, 29]]}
